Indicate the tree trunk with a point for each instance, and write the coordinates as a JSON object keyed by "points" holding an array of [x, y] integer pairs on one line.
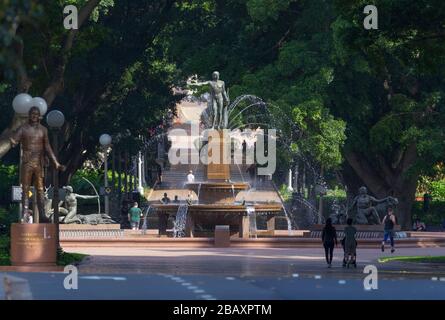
{"points": [[5, 144]]}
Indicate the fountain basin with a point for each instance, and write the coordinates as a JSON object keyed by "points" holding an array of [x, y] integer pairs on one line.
{"points": [[234, 215], [217, 192]]}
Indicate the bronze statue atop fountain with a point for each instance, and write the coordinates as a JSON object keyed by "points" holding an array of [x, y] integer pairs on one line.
{"points": [[218, 96]]}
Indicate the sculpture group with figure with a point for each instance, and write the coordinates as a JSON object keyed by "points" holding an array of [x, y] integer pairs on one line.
{"points": [[69, 214], [366, 212]]}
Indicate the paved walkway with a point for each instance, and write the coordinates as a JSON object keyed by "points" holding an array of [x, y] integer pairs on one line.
{"points": [[249, 262]]}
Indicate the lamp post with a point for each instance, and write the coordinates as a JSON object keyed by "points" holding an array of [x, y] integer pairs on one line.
{"points": [[140, 187], [55, 120], [105, 141], [21, 105]]}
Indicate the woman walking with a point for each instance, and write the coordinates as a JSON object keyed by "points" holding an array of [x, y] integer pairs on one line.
{"points": [[329, 239]]}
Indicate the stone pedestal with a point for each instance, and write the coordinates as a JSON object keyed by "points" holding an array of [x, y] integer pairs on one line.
{"points": [[33, 244], [219, 143], [222, 236]]}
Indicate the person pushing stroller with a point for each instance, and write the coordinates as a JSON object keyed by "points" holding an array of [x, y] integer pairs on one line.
{"points": [[349, 244]]}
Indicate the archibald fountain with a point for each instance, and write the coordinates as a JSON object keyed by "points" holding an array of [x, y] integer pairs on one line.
{"points": [[216, 203]]}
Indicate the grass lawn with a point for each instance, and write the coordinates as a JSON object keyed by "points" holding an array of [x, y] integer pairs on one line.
{"points": [[63, 260], [66, 258], [427, 259]]}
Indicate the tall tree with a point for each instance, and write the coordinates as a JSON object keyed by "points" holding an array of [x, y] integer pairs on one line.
{"points": [[109, 76], [389, 88]]}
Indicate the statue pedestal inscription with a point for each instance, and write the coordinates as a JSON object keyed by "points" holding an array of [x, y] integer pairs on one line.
{"points": [[33, 244]]}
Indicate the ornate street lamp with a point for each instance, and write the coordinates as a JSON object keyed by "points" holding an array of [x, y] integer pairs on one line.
{"points": [[105, 141]]}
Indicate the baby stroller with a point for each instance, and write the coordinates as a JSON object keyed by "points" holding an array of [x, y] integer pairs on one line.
{"points": [[350, 254]]}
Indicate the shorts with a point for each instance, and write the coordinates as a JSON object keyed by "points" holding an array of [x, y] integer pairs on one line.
{"points": [[135, 224]]}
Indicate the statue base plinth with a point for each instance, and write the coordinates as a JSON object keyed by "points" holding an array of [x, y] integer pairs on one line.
{"points": [[33, 244], [221, 145]]}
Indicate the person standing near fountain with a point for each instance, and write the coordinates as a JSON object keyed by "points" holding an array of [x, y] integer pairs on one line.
{"points": [[134, 215], [218, 96], [329, 239], [190, 177], [166, 199]]}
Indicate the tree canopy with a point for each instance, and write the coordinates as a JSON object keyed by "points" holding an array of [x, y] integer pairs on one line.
{"points": [[366, 103]]}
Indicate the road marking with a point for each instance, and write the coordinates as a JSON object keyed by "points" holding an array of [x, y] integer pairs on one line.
{"points": [[318, 277], [103, 278], [295, 275], [434, 278], [230, 278]]}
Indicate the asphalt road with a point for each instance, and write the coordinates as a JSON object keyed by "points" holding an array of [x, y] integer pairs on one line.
{"points": [[205, 287], [238, 274]]}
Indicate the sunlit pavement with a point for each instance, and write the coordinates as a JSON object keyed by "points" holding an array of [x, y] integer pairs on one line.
{"points": [[249, 262]]}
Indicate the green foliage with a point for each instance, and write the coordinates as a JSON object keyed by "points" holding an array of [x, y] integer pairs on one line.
{"points": [[8, 178], [7, 217], [390, 87], [435, 215], [438, 190], [285, 193], [4, 250], [262, 10], [117, 78], [66, 258], [83, 187], [336, 193]]}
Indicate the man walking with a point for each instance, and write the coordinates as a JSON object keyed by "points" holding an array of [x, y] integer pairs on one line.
{"points": [[389, 222], [134, 215]]}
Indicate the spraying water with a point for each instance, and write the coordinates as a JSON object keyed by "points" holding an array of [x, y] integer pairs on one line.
{"points": [[199, 190], [180, 222], [251, 213], [144, 225]]}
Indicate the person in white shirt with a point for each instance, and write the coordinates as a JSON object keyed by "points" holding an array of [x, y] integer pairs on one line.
{"points": [[28, 218], [190, 177]]}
